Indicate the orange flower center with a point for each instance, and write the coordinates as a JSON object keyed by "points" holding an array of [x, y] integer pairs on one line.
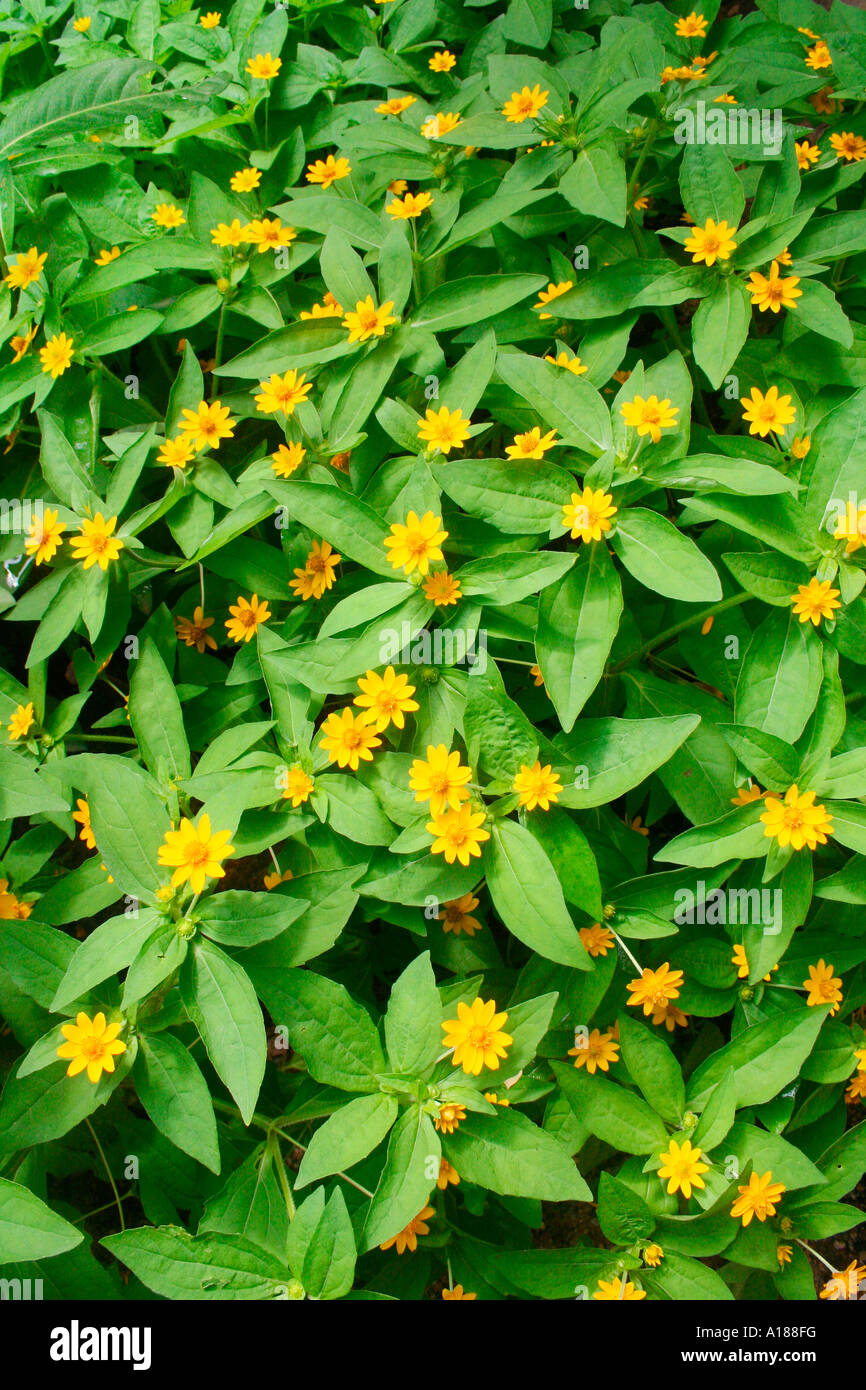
{"points": [[247, 617], [479, 1036], [196, 854]]}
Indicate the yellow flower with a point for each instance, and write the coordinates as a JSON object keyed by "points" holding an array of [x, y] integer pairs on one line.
{"points": [[447, 1175], [849, 147], [807, 154], [588, 514], [299, 786], [797, 821], [552, 292], [532, 444], [595, 1052], [783, 1255], [105, 256], [366, 321], [227, 233], [618, 1291], [650, 416], [845, 1283], [443, 429], [349, 738], [95, 544], [282, 393], [800, 447], [727, 98], [407, 1239], [458, 834], [176, 453], [328, 309], [45, 536], [440, 124], [537, 786], [20, 343], [386, 698], [456, 915], [653, 1256], [167, 215], [210, 20], [439, 779], [414, 545], [263, 66], [476, 1036], [535, 672], [395, 106], [492, 1098], [856, 1087], [448, 1117], [815, 600], [268, 234], [56, 355], [764, 413], [82, 24], [682, 1167], [82, 816], [694, 26], [11, 908], [195, 853], [739, 960], [327, 171], [207, 425], [642, 202], [818, 56], [246, 618], [193, 632], [274, 879], [824, 103], [287, 458], [758, 1197], [318, 573], [712, 242], [746, 795], [571, 364], [525, 103], [397, 186], [655, 988], [823, 987], [21, 722], [92, 1045], [597, 939], [245, 180], [442, 588], [773, 291], [670, 1016], [412, 205], [443, 61]]}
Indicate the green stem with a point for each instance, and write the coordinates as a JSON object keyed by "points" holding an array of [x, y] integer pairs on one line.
{"points": [[670, 632], [218, 350], [117, 1200], [100, 738]]}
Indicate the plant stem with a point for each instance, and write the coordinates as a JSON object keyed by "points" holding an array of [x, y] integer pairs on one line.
{"points": [[620, 942], [670, 632], [117, 1200]]}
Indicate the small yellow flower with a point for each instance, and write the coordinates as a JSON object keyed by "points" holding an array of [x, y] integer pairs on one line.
{"points": [[801, 446], [95, 544], [282, 393], [796, 821], [447, 1175], [655, 988], [413, 545], [537, 786], [22, 722], [349, 738], [595, 1052], [531, 445], [167, 215], [650, 416], [850, 147], [442, 588], [245, 180], [783, 1255], [246, 618], [856, 1087], [440, 124], [273, 880], [571, 364], [20, 343], [457, 1295], [448, 1117], [263, 66], [727, 98], [439, 779], [328, 309], [823, 987], [773, 292], [668, 1014], [825, 103], [443, 61], [456, 915], [407, 1239], [712, 242], [45, 535], [210, 20], [589, 514], [56, 355], [82, 24], [82, 817], [525, 103], [176, 453], [618, 1291], [287, 458], [597, 940], [476, 1036], [818, 56], [268, 234], [815, 600], [227, 233], [395, 106], [492, 1098], [694, 26], [764, 413], [106, 256], [682, 1167], [195, 853], [410, 206], [12, 909], [92, 1044], [328, 171], [758, 1197], [552, 292], [458, 834], [193, 632], [299, 786], [366, 321], [318, 574], [387, 698], [807, 154], [207, 425], [653, 1256], [443, 429], [845, 1283]]}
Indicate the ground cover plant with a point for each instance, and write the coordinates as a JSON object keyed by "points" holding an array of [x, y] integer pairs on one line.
{"points": [[433, 764]]}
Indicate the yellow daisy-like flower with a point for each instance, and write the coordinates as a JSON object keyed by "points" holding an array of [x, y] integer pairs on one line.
{"points": [[825, 103], [525, 103], [476, 1036], [387, 698], [82, 817], [92, 1045], [44, 536], [823, 987], [409, 206], [439, 779], [440, 124], [589, 514], [27, 269], [443, 429], [349, 738], [571, 364], [456, 915], [273, 880], [800, 447], [714, 241], [246, 618], [22, 722], [413, 545], [653, 1256], [268, 234], [746, 795], [328, 309], [328, 171], [299, 786], [618, 1291], [773, 291], [167, 215], [815, 600], [537, 786], [764, 413], [448, 1117], [598, 940], [818, 56], [176, 453], [407, 1239], [807, 154], [493, 1099], [655, 988], [210, 20], [20, 343], [82, 24], [856, 1087], [318, 573], [850, 147], [443, 61], [650, 416], [457, 1295], [282, 393], [538, 678], [95, 544], [694, 26], [263, 67], [670, 1016], [207, 425], [106, 256], [797, 821], [227, 233], [682, 1168], [552, 292], [56, 355], [783, 1255], [739, 960], [595, 1052], [442, 588], [727, 98], [447, 1175], [195, 853], [845, 1283], [395, 106], [366, 321], [245, 180], [193, 632], [458, 834], [531, 445], [758, 1197], [12, 909], [287, 458]]}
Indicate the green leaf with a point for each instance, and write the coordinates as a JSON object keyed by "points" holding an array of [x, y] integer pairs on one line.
{"points": [[413, 1021], [507, 1153], [720, 327], [156, 716], [30, 1230], [174, 1093], [112, 946], [352, 527], [562, 401], [596, 183], [765, 1058], [653, 1067], [410, 1171], [346, 1137], [528, 897], [334, 1035], [473, 299], [321, 1246], [608, 1110], [177, 1265], [663, 559], [577, 623], [222, 1004]]}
